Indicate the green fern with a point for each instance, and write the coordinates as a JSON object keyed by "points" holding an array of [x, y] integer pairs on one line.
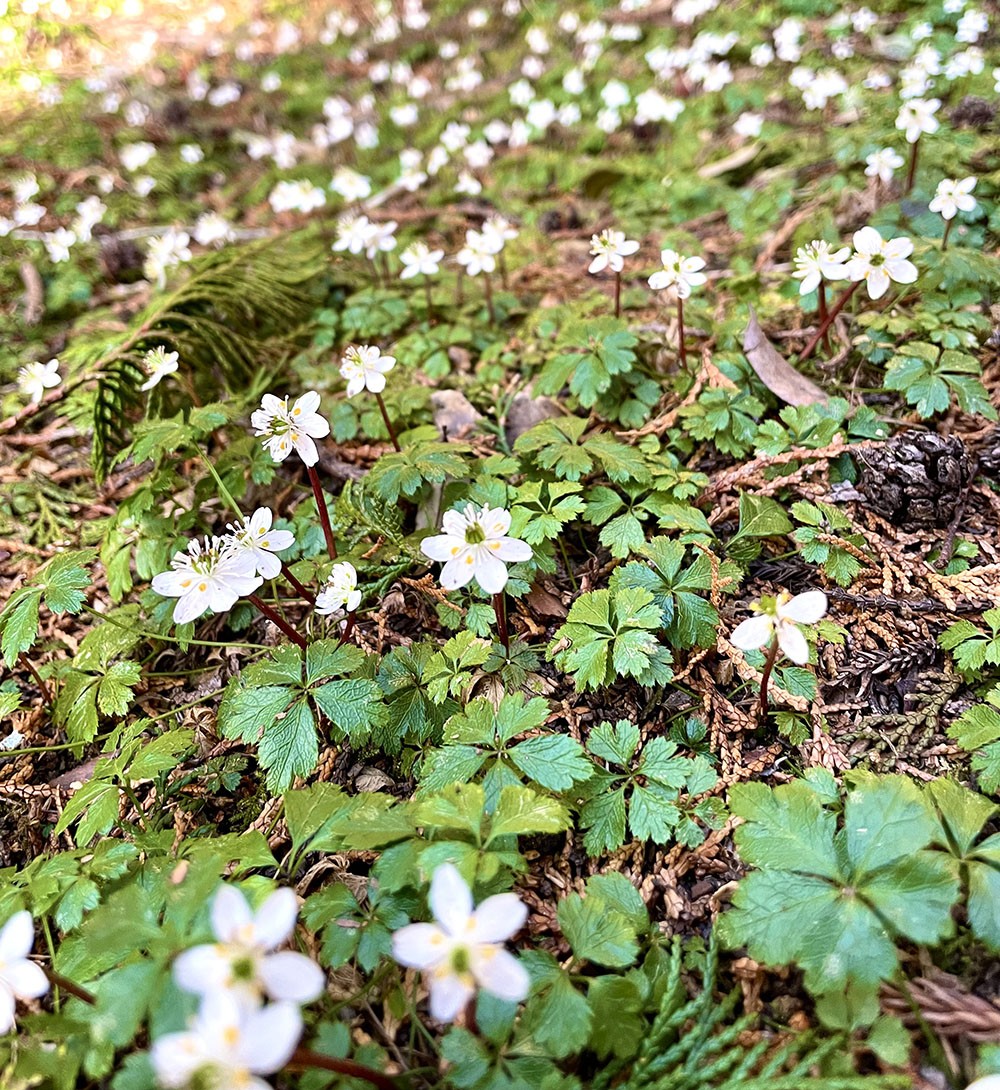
{"points": [[237, 311], [694, 1044]]}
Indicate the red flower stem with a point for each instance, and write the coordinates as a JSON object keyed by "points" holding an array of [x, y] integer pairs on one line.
{"points": [[427, 294], [947, 232], [324, 514], [500, 609], [504, 280], [488, 288], [277, 619], [911, 174], [296, 585], [765, 677], [388, 423], [618, 294], [306, 1058], [68, 986], [42, 687], [348, 628], [459, 286], [830, 319], [822, 312], [682, 349]]}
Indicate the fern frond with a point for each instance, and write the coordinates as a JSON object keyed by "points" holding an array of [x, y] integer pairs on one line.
{"points": [[238, 311]]}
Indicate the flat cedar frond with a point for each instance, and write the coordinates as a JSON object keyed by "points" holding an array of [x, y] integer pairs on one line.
{"points": [[698, 1044], [237, 311]]}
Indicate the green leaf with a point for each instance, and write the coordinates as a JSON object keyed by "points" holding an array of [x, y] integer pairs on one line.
{"points": [[760, 516], [63, 580], [597, 932], [289, 747], [354, 706], [114, 691], [554, 761], [615, 743], [885, 819], [19, 623], [521, 811]]}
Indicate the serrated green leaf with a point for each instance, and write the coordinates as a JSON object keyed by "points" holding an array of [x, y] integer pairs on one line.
{"points": [[596, 932]]}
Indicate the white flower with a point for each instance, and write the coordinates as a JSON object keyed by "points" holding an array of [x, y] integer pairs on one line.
{"points": [[818, 261], [917, 117], [680, 273], [381, 239], [610, 249], [58, 244], [242, 962], [34, 379], [213, 576], [192, 153], [479, 253], [301, 196], [500, 229], [879, 262], [882, 164], [164, 252], [353, 233], [782, 615], [365, 368], [143, 185], [953, 197], [89, 213], [420, 260], [987, 1082], [135, 156], [227, 1046], [25, 187], [971, 26], [340, 594], [286, 429], [19, 977], [474, 545], [158, 363], [468, 184], [461, 951], [212, 229], [351, 185], [255, 538], [748, 124]]}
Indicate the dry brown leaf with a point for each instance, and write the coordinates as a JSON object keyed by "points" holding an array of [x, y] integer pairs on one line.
{"points": [[774, 370]]}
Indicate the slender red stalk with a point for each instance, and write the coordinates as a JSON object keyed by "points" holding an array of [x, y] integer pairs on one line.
{"points": [[947, 232], [324, 514], [682, 348], [276, 618], [911, 174], [387, 421], [39, 681], [296, 585], [765, 677], [305, 1058], [618, 294], [830, 319], [500, 609], [504, 279], [427, 294], [345, 635], [821, 295], [460, 286], [69, 986]]}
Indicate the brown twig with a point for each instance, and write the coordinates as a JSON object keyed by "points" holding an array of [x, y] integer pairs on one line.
{"points": [[42, 687], [306, 1058]]}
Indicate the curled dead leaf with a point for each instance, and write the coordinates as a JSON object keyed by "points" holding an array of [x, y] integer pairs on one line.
{"points": [[775, 371]]}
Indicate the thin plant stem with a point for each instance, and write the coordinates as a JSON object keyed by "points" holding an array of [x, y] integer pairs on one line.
{"points": [[68, 986], [500, 609], [911, 174], [504, 280], [428, 296], [324, 514], [306, 1058], [618, 294], [682, 348], [765, 677], [345, 634], [276, 619], [488, 289], [566, 565], [947, 232], [821, 295], [830, 319], [42, 687], [286, 571], [460, 287], [387, 421]]}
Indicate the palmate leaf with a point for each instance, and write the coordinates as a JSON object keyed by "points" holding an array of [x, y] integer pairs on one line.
{"points": [[236, 311]]}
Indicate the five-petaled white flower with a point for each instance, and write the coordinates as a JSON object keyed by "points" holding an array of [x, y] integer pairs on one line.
{"points": [[420, 260], [879, 261], [953, 197], [782, 615], [478, 255], [353, 233], [819, 261], [883, 164], [158, 363], [210, 576], [166, 251], [340, 593], [916, 116], [242, 961], [35, 378], [255, 537], [475, 545], [461, 951], [610, 248], [19, 977], [286, 429], [365, 368], [680, 273], [228, 1046]]}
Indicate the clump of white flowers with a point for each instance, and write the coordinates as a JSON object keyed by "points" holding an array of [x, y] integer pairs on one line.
{"points": [[462, 950], [285, 427], [213, 575]]}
